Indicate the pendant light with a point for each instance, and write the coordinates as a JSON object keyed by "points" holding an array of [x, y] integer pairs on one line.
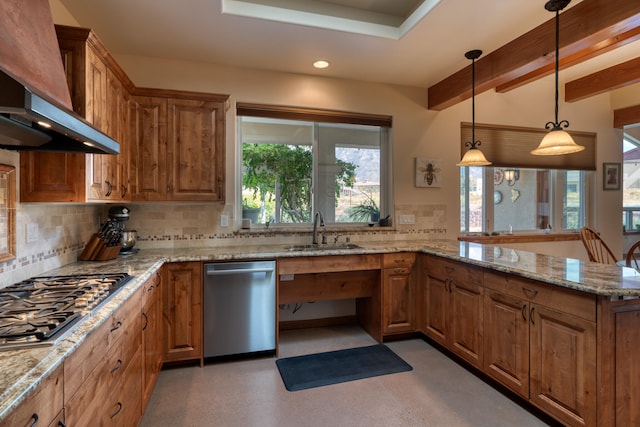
{"points": [[473, 157], [557, 141]]}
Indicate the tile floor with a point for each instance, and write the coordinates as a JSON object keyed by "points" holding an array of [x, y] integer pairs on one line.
{"points": [[249, 392]]}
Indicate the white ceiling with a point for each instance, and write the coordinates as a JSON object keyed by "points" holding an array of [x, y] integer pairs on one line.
{"points": [[198, 30]]}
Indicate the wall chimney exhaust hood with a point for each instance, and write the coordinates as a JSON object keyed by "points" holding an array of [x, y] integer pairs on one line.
{"points": [[35, 104]]}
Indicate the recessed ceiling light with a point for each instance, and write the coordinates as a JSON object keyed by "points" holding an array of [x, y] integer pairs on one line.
{"points": [[321, 64]]}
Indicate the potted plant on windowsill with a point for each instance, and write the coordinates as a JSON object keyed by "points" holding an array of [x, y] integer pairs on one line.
{"points": [[367, 211], [251, 209]]}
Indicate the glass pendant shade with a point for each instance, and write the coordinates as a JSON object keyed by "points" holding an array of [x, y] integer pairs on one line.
{"points": [[556, 142], [473, 157]]}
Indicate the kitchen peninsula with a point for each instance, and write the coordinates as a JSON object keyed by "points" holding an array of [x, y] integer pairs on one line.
{"points": [[574, 322]]}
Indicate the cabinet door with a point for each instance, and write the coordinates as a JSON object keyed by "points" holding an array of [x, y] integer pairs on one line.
{"points": [[466, 314], [398, 297], [152, 347], [182, 310], [195, 150], [563, 366], [506, 340], [149, 148], [436, 309], [96, 113], [52, 177]]}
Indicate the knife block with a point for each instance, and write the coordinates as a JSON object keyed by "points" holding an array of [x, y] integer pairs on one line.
{"points": [[97, 249]]}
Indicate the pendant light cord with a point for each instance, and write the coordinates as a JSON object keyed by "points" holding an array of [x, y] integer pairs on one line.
{"points": [[557, 62], [473, 102]]}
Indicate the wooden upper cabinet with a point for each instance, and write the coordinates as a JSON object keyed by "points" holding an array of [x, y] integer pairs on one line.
{"points": [[179, 147], [99, 93]]}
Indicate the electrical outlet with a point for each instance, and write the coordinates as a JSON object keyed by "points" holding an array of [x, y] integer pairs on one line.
{"points": [[407, 219], [224, 220], [32, 232]]}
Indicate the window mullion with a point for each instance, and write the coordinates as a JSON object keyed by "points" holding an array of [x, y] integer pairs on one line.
{"points": [[487, 190]]}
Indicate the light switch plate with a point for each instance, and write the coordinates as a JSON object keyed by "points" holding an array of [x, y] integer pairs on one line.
{"points": [[224, 220], [407, 219]]}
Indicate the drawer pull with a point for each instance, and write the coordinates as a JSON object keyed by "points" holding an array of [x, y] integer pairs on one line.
{"points": [[61, 423], [532, 292], [398, 261], [531, 316], [35, 418], [118, 366], [150, 288], [117, 410], [524, 312], [117, 326], [146, 321], [399, 270]]}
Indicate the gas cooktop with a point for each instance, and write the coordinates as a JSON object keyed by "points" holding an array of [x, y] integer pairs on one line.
{"points": [[40, 310]]}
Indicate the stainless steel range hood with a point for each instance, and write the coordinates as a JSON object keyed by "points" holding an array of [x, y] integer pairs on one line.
{"points": [[36, 113], [29, 122]]}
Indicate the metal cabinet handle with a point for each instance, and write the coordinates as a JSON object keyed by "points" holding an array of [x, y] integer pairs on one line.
{"points": [[109, 188], [530, 291], [398, 261], [524, 312], [123, 191], [117, 410], [531, 315], [61, 424], [146, 321], [117, 326], [35, 418], [399, 270]]}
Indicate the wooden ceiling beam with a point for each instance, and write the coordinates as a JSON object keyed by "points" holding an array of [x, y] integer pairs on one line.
{"points": [[619, 75], [629, 116], [583, 28]]}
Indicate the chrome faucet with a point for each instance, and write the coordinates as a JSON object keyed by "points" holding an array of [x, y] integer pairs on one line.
{"points": [[315, 228]]}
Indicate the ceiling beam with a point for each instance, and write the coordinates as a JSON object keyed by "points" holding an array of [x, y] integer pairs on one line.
{"points": [[629, 116], [584, 28], [619, 75]]}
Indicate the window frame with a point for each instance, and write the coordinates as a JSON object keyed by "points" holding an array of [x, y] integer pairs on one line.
{"points": [[318, 116]]}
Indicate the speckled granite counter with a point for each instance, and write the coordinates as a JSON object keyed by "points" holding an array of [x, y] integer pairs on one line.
{"points": [[22, 370]]}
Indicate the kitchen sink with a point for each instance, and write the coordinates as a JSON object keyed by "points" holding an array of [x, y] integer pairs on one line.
{"points": [[321, 247]]}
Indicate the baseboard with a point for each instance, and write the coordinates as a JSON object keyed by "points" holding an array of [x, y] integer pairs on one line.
{"points": [[318, 323]]}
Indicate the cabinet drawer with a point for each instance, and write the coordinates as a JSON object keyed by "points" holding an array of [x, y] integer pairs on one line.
{"points": [[151, 289], [125, 320], [42, 406], [401, 259], [328, 264], [562, 299], [444, 269]]}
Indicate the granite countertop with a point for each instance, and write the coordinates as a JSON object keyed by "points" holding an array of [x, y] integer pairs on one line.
{"points": [[23, 370]]}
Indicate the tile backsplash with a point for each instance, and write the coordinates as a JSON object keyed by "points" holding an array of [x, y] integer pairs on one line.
{"points": [[51, 235]]}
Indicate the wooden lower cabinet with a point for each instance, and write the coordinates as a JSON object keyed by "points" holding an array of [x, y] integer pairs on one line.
{"points": [[540, 342], [99, 376], [182, 311], [41, 407], [453, 307], [398, 293], [152, 336]]}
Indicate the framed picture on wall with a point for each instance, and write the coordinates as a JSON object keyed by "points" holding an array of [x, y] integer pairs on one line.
{"points": [[611, 175], [428, 172]]}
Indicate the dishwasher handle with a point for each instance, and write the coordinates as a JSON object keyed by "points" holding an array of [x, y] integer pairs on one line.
{"points": [[213, 272]]}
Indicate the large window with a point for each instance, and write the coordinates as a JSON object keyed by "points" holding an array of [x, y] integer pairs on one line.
{"points": [[631, 180], [512, 199], [292, 168]]}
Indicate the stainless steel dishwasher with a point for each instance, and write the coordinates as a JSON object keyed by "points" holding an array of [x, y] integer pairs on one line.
{"points": [[239, 307]]}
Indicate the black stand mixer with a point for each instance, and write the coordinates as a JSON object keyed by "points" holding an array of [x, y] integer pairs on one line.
{"points": [[120, 214]]}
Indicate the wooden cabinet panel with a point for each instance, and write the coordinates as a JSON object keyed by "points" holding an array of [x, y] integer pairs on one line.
{"points": [[398, 297], [196, 150], [453, 308], [42, 407], [149, 149], [563, 366], [178, 149], [328, 264], [152, 344], [182, 311], [506, 341], [466, 326], [51, 177]]}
